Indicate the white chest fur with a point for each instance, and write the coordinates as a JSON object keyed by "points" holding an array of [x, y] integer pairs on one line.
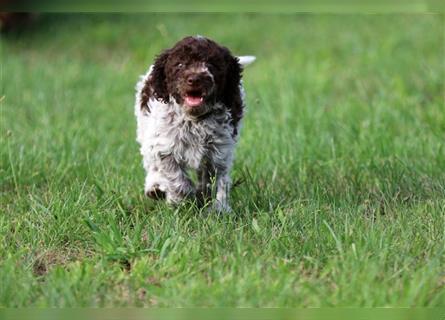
{"points": [[168, 131]]}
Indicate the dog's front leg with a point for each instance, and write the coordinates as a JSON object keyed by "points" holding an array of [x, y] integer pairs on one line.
{"points": [[167, 179], [178, 184]]}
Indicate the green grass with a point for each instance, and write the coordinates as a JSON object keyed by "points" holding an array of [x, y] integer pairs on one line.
{"points": [[341, 153]]}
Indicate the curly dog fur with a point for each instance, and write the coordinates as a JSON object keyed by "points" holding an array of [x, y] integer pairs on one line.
{"points": [[189, 106]]}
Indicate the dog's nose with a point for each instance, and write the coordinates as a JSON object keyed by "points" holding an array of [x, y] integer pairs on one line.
{"points": [[196, 78], [193, 79]]}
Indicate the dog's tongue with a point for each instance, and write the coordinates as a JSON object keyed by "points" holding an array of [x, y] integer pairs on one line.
{"points": [[192, 101]]}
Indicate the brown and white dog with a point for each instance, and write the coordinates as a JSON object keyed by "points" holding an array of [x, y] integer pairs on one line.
{"points": [[188, 108]]}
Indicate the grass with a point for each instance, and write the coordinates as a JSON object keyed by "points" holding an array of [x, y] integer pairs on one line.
{"points": [[341, 153]]}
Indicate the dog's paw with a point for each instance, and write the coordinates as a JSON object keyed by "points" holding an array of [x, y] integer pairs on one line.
{"points": [[220, 207], [155, 193]]}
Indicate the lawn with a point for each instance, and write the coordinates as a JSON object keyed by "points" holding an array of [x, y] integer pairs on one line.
{"points": [[340, 166]]}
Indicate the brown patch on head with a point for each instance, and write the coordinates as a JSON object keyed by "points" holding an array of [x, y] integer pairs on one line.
{"points": [[197, 72]]}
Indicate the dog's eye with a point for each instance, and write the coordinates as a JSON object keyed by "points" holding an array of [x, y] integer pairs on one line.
{"points": [[179, 66], [211, 66]]}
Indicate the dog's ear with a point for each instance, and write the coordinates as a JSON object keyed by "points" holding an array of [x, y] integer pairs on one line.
{"points": [[155, 85], [158, 78], [231, 96]]}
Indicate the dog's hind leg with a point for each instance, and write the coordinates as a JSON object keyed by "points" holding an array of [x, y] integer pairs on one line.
{"points": [[214, 183], [206, 176], [222, 192]]}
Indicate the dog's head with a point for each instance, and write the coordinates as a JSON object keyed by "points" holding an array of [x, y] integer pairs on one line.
{"points": [[196, 73]]}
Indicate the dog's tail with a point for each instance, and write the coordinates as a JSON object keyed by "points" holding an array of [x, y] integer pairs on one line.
{"points": [[246, 60]]}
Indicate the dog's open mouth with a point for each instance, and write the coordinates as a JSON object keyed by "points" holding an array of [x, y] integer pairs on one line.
{"points": [[194, 98]]}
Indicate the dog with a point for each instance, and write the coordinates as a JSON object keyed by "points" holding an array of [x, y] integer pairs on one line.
{"points": [[189, 107]]}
